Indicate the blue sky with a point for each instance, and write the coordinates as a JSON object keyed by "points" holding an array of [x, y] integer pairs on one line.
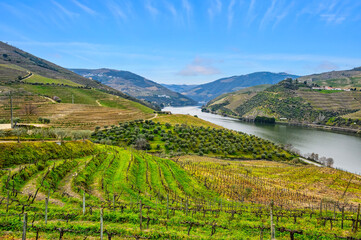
{"points": [[188, 41]]}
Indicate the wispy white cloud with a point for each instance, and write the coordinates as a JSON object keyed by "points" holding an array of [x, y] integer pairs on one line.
{"points": [[151, 8], [85, 8], [332, 12], [332, 18], [170, 7], [214, 8], [251, 14], [64, 10], [117, 11], [231, 13], [199, 66], [277, 12], [188, 9], [284, 12], [268, 15]]}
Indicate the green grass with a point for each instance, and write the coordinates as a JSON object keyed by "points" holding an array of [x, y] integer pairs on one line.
{"points": [[184, 119], [81, 96], [40, 79]]}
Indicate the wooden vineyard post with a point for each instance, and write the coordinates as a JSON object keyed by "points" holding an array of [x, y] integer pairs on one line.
{"points": [[343, 216], [101, 224], [273, 233], [357, 218], [113, 202], [140, 215], [83, 203], [25, 226], [321, 208], [46, 210], [7, 201], [167, 206]]}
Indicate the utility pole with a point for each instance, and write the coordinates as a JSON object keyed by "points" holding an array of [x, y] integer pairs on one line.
{"points": [[11, 109]]}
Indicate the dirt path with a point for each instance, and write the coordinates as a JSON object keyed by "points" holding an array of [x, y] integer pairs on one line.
{"points": [[66, 183], [97, 101], [50, 99], [94, 189], [5, 126], [30, 74], [30, 188], [156, 115]]}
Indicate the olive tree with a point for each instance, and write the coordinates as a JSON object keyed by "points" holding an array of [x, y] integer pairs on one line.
{"points": [[61, 134], [19, 132]]}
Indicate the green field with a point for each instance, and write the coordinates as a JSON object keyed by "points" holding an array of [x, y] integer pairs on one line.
{"points": [[142, 196], [39, 79], [184, 119]]}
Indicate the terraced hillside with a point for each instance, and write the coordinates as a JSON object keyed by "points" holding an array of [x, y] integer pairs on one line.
{"points": [[91, 107], [344, 79], [116, 193], [334, 101], [227, 103]]}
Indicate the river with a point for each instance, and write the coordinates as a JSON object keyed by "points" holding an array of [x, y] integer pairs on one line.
{"points": [[344, 149]]}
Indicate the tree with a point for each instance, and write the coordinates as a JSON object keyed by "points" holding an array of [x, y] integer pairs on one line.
{"points": [[30, 109], [141, 144], [61, 134], [19, 132], [85, 134], [329, 162]]}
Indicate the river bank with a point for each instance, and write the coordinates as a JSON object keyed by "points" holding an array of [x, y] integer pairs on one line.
{"points": [[343, 147], [353, 131], [356, 132]]}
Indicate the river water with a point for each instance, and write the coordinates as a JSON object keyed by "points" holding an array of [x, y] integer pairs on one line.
{"points": [[344, 149]]}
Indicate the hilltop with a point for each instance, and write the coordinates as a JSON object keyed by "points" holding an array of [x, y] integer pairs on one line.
{"points": [[344, 79], [136, 86], [209, 91]]}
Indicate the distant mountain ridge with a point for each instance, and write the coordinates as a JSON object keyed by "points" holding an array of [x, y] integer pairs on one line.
{"points": [[180, 88], [136, 86], [208, 91]]}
